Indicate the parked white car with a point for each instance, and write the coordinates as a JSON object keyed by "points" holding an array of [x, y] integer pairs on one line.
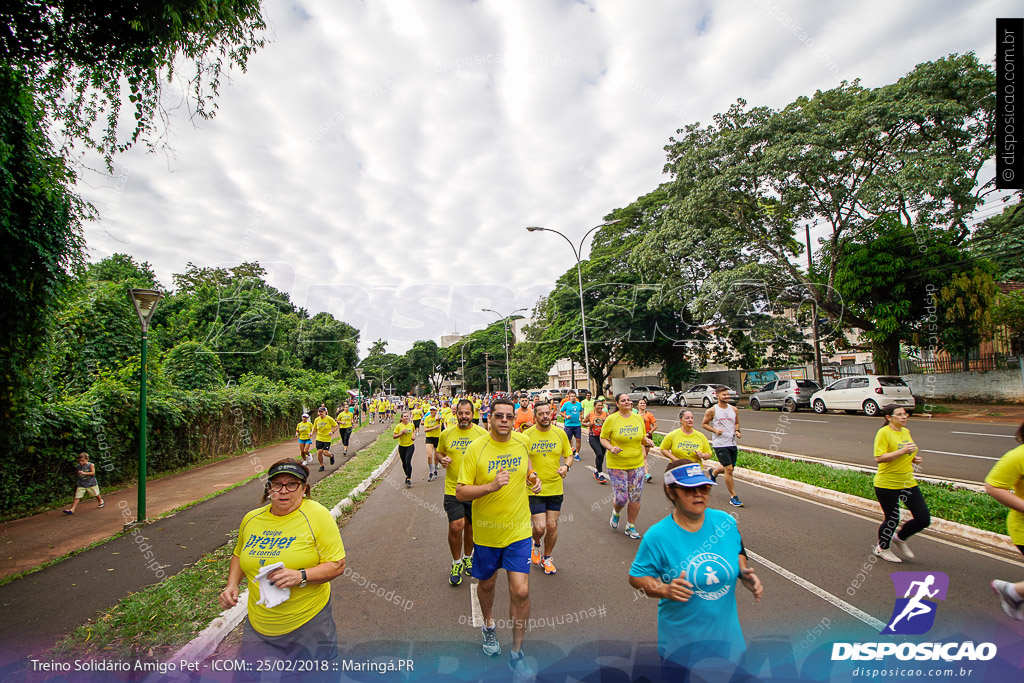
{"points": [[704, 395], [864, 393]]}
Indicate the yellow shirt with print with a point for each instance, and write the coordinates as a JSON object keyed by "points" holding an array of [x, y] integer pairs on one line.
{"points": [[404, 430], [503, 517], [626, 433], [453, 444], [546, 452], [301, 539], [431, 425], [344, 419], [450, 421], [324, 426], [686, 446], [898, 473], [1008, 474], [417, 414], [445, 412], [304, 429], [476, 408]]}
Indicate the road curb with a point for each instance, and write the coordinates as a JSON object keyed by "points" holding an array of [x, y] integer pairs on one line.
{"points": [[205, 644], [943, 526]]}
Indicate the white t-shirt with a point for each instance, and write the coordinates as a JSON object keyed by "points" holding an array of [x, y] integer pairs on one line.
{"points": [[725, 419]]}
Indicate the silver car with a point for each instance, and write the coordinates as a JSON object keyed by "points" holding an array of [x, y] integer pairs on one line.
{"points": [[653, 394], [785, 394], [704, 395]]}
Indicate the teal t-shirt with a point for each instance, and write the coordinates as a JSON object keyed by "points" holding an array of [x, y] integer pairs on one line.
{"points": [[707, 625], [572, 413]]}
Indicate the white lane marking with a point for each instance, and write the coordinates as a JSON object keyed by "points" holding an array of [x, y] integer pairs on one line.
{"points": [[478, 615], [926, 534], [961, 455], [819, 591], [763, 431], [797, 419], [1004, 436]]}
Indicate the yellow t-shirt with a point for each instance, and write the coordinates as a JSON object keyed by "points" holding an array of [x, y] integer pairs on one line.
{"points": [[1008, 473], [344, 419], [546, 452], [301, 539], [476, 408], [431, 425], [324, 426], [503, 517], [453, 444], [686, 446], [450, 421], [304, 429], [417, 414], [898, 473], [445, 412], [627, 433], [404, 432]]}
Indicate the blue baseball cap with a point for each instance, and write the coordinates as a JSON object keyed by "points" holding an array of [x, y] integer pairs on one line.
{"points": [[689, 476]]}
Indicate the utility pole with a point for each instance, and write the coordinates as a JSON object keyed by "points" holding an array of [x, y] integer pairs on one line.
{"points": [[814, 314], [487, 373]]}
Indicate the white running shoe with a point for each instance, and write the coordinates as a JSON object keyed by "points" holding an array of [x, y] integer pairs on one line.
{"points": [[901, 545], [887, 554], [1013, 609]]}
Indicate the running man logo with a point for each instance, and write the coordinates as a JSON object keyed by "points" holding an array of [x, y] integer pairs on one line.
{"points": [[914, 612]]}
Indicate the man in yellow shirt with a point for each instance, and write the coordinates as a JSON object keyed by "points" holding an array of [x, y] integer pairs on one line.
{"points": [[476, 409], [1005, 483], [432, 433], [547, 448], [324, 425], [450, 453], [494, 477], [304, 430]]}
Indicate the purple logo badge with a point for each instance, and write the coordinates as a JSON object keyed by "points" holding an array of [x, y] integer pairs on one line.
{"points": [[916, 593]]}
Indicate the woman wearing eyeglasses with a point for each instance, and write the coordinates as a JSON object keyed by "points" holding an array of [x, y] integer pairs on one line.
{"points": [[289, 608], [692, 561]]}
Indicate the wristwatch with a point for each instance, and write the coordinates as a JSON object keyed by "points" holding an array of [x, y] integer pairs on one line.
{"points": [[302, 584]]}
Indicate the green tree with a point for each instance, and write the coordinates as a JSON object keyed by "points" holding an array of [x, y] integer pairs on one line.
{"points": [[529, 368], [965, 304], [122, 269], [1008, 315], [846, 158], [326, 344], [1000, 240], [429, 364], [189, 366]]}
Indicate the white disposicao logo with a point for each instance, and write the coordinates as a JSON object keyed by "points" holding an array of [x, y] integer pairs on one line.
{"points": [[710, 575]]}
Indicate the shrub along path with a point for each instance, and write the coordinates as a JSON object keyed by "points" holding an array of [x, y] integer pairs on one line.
{"points": [[52, 601]]}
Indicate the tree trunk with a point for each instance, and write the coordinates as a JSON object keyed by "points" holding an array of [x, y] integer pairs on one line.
{"points": [[886, 354], [967, 362]]}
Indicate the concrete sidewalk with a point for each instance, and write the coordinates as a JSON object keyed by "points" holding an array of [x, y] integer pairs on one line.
{"points": [[31, 541]]}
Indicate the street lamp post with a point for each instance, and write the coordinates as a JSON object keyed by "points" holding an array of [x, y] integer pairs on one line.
{"points": [[144, 301], [359, 384], [579, 276], [504, 320]]}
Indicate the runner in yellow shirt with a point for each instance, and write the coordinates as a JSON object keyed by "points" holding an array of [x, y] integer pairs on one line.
{"points": [[1005, 483], [304, 430], [686, 443], [624, 434], [476, 409], [405, 433], [344, 421], [450, 453], [417, 416], [432, 434], [494, 477], [548, 445], [896, 455], [324, 425]]}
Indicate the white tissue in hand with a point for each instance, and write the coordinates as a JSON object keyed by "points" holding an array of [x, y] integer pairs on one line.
{"points": [[271, 595]]}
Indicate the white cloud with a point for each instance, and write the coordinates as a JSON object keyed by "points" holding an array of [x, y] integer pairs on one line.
{"points": [[408, 143]]}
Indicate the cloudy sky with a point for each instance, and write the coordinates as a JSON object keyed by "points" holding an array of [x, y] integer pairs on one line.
{"points": [[383, 158]]}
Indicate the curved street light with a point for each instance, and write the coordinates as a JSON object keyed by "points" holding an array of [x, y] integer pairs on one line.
{"points": [[504, 319], [144, 301], [577, 252]]}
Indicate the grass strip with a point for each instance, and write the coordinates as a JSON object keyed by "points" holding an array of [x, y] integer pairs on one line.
{"points": [[159, 619], [962, 506]]}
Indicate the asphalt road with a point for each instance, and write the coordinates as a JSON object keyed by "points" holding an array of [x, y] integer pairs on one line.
{"points": [[815, 562], [952, 449]]}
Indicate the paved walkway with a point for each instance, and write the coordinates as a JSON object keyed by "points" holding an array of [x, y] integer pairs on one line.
{"points": [[55, 600]]}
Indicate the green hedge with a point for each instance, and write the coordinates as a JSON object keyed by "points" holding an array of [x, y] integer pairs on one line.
{"points": [[184, 428]]}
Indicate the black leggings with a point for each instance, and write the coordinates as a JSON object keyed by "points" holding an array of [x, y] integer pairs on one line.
{"points": [[405, 453], [595, 444], [890, 500]]}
